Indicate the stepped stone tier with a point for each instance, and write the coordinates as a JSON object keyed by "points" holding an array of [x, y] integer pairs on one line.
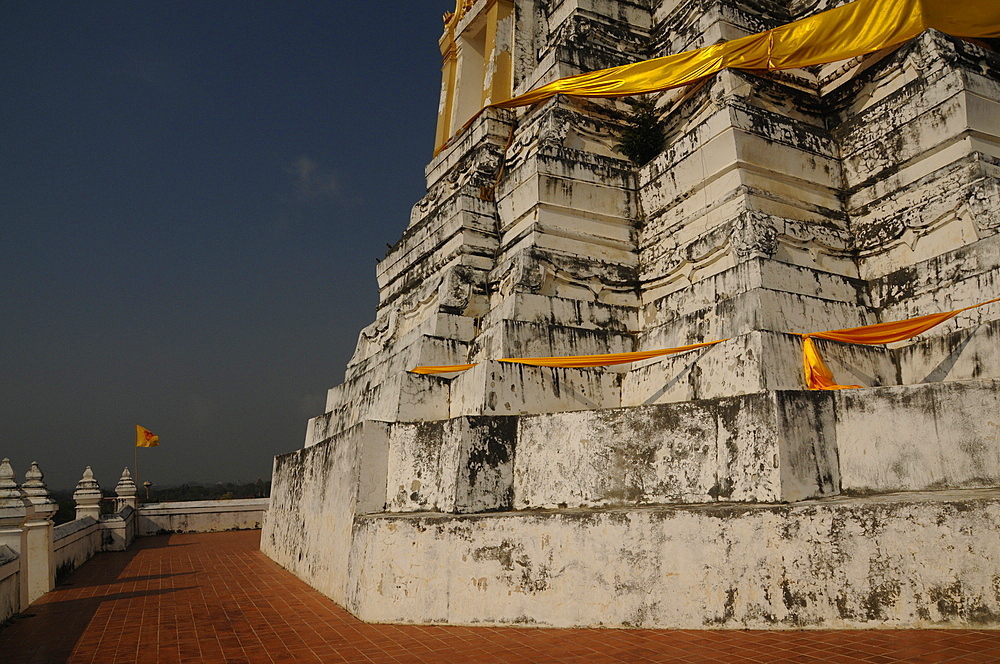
{"points": [[705, 489]]}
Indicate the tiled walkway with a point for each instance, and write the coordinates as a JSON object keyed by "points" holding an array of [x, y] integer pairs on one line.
{"points": [[216, 598]]}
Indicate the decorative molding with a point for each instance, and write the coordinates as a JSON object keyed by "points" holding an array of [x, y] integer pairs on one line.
{"points": [[983, 201], [753, 234], [376, 335], [553, 129]]}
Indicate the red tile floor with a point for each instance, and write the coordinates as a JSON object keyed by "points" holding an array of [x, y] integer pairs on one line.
{"points": [[215, 598]]}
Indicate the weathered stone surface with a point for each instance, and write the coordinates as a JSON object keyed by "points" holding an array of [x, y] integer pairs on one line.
{"points": [[782, 203], [575, 36], [315, 495], [951, 439], [765, 447], [913, 560], [74, 543], [768, 202], [681, 26], [461, 465], [751, 363], [550, 310], [502, 388], [967, 354]]}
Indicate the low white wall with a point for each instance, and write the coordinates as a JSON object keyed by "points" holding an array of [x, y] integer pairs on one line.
{"points": [[10, 568], [202, 516], [119, 529], [74, 543]]}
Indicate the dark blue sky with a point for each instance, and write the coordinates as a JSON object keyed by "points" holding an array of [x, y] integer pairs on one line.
{"points": [[192, 199]]}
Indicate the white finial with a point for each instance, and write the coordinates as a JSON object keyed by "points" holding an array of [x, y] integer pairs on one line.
{"points": [[8, 485], [126, 485], [88, 495], [7, 475], [87, 482], [36, 493], [34, 484], [12, 505]]}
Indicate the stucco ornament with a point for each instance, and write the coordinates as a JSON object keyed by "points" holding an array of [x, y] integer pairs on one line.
{"points": [[983, 200], [753, 235], [12, 504], [34, 484], [553, 131]]}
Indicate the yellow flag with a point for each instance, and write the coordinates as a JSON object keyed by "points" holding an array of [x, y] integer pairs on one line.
{"points": [[145, 437]]}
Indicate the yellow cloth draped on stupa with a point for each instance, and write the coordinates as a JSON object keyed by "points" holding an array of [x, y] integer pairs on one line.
{"points": [[854, 29]]}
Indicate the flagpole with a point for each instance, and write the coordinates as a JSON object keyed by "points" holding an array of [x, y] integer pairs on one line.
{"points": [[143, 438], [135, 458]]}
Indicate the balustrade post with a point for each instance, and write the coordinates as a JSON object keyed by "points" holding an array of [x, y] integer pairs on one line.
{"points": [[40, 557], [13, 512]]}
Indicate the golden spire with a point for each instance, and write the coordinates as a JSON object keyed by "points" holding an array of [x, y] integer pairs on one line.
{"points": [[462, 8]]}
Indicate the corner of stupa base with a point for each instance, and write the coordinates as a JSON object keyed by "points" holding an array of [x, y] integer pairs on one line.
{"points": [[767, 510], [706, 489]]}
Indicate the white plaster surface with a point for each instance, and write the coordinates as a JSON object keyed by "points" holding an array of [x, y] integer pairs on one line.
{"points": [[10, 583], [464, 464], [919, 437], [757, 448], [120, 529], [75, 542], [916, 560], [38, 558], [503, 388], [314, 498], [201, 516]]}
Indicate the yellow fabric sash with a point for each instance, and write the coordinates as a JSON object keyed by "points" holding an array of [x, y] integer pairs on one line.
{"points": [[573, 361], [442, 369], [819, 377], [854, 29]]}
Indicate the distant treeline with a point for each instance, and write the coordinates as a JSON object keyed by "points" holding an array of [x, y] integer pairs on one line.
{"points": [[187, 491], [195, 491]]}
